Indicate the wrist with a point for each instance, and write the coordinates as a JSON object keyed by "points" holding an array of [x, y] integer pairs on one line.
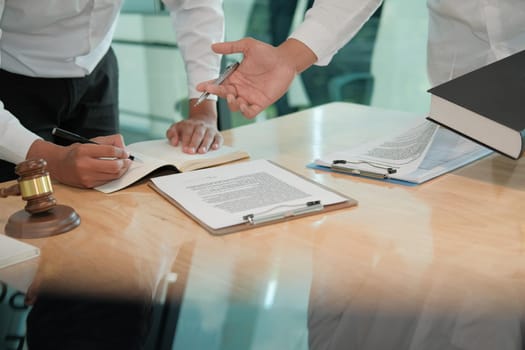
{"points": [[48, 151], [296, 54], [206, 111]]}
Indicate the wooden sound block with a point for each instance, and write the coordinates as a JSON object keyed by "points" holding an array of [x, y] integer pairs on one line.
{"points": [[59, 219]]}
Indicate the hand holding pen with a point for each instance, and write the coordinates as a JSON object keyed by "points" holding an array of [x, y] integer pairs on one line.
{"points": [[70, 136], [222, 77], [263, 76], [83, 165]]}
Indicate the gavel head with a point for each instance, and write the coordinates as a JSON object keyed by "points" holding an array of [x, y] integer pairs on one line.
{"points": [[35, 186]]}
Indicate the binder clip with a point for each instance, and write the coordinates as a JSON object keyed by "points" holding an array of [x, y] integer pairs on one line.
{"points": [[42, 216]]}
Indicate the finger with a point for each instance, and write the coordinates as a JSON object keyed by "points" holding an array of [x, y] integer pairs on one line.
{"points": [[212, 140], [230, 47], [96, 172], [172, 135], [185, 137], [217, 141], [109, 169], [202, 86], [250, 111], [195, 141], [220, 90], [206, 141], [232, 103], [115, 140], [103, 151]]}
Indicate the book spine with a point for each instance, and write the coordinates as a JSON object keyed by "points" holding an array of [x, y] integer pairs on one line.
{"points": [[522, 133]]}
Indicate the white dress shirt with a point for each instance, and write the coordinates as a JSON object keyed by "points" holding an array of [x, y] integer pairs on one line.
{"points": [[330, 24], [67, 38], [463, 35], [468, 34]]}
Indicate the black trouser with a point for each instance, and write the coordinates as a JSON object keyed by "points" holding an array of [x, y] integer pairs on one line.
{"points": [[87, 106], [67, 322]]}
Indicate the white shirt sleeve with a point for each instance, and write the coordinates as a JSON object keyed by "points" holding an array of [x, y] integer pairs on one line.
{"points": [[15, 140], [330, 24], [198, 24]]}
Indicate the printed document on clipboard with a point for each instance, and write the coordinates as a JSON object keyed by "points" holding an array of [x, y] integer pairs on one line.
{"points": [[246, 195], [419, 153]]}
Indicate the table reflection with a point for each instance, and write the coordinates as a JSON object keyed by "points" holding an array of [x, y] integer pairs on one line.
{"points": [[337, 321], [377, 294]]}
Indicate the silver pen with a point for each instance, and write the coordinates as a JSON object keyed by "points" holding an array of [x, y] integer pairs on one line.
{"points": [[222, 77], [309, 207], [373, 174]]}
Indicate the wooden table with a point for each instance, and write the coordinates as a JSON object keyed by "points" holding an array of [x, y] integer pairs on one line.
{"points": [[409, 266]]}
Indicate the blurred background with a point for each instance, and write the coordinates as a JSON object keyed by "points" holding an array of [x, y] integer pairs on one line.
{"points": [[384, 65]]}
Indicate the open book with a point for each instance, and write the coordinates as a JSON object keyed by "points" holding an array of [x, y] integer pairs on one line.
{"points": [[246, 195], [155, 154], [421, 152]]}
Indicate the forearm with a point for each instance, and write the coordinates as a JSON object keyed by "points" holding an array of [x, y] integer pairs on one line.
{"points": [[296, 54], [48, 151]]}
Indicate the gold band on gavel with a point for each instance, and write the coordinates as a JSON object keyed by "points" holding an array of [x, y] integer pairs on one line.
{"points": [[34, 187]]}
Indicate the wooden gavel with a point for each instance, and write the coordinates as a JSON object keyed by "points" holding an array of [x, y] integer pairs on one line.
{"points": [[34, 184], [41, 216]]}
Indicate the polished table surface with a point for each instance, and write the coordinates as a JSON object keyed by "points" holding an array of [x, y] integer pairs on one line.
{"points": [[435, 266]]}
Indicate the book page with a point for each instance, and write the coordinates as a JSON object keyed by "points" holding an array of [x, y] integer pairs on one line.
{"points": [[154, 154], [163, 150], [403, 152], [448, 151], [220, 197], [141, 166]]}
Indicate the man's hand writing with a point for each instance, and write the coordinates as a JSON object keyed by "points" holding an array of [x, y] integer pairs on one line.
{"points": [[84, 165]]}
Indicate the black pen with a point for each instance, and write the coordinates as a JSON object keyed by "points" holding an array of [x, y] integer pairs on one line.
{"points": [[68, 135]]}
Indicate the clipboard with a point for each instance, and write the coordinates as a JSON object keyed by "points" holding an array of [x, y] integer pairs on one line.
{"points": [[260, 218], [383, 179]]}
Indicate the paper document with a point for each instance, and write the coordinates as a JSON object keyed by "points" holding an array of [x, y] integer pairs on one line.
{"points": [[13, 251], [418, 154], [155, 154], [225, 196]]}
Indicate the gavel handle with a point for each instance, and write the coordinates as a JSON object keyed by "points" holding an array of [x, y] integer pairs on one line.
{"points": [[10, 191]]}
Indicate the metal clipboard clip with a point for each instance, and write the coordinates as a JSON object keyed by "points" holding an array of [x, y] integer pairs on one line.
{"points": [[340, 165], [254, 219]]}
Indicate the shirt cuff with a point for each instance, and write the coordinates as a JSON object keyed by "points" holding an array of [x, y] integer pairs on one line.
{"points": [[15, 141], [311, 33], [198, 75]]}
